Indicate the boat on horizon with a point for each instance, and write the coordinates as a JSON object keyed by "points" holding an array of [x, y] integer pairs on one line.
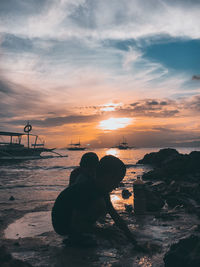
{"points": [[123, 145], [14, 149], [76, 146]]}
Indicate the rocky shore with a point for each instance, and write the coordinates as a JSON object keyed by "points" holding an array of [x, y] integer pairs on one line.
{"points": [[174, 183]]}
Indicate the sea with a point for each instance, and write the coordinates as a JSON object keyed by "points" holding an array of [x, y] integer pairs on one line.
{"points": [[38, 181]]}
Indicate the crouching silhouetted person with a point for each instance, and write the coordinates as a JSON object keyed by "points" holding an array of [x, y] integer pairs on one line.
{"points": [[79, 206]]}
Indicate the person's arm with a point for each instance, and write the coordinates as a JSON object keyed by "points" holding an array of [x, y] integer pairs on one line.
{"points": [[119, 221]]}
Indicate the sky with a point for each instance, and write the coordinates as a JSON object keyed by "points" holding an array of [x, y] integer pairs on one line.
{"points": [[98, 70]]}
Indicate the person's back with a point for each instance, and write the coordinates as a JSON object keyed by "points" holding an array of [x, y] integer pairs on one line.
{"points": [[71, 200]]}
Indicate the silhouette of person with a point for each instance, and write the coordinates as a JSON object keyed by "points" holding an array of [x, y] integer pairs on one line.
{"points": [[87, 169], [78, 207]]}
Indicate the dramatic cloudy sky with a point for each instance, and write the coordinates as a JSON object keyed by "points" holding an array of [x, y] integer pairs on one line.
{"points": [[68, 66]]}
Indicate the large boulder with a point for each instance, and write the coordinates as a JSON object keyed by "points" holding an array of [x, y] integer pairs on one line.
{"points": [[185, 253], [169, 165], [156, 159]]}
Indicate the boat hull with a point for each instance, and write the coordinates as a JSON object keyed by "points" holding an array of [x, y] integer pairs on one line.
{"points": [[22, 153]]}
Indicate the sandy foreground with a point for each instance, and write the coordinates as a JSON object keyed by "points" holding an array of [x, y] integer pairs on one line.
{"points": [[28, 236]]}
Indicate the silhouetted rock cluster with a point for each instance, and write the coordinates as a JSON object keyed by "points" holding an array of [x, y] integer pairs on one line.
{"points": [[174, 181], [184, 254], [170, 165], [157, 159], [177, 176]]}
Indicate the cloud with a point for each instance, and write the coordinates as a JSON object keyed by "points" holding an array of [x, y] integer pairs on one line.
{"points": [[18, 101], [59, 121], [153, 108], [157, 108], [196, 77], [5, 87], [193, 104], [100, 19]]}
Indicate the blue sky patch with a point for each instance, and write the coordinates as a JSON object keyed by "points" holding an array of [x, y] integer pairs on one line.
{"points": [[179, 55]]}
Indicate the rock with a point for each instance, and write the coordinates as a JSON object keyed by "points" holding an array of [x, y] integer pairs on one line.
{"points": [[166, 216], [185, 253], [126, 194], [6, 259], [11, 198], [128, 208], [157, 158], [170, 165], [153, 200], [4, 255], [173, 201], [180, 174]]}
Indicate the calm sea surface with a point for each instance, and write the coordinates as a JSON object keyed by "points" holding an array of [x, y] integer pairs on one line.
{"points": [[37, 182]]}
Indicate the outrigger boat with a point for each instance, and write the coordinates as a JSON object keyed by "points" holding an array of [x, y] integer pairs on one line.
{"points": [[13, 149], [123, 145], [76, 146]]}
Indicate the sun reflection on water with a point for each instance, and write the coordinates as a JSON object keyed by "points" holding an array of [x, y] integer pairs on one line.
{"points": [[112, 151]]}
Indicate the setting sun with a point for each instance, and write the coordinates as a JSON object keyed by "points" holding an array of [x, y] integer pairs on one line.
{"points": [[114, 123]]}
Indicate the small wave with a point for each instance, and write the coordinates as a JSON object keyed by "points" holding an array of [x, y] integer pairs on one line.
{"points": [[32, 186], [132, 165], [32, 168], [60, 167]]}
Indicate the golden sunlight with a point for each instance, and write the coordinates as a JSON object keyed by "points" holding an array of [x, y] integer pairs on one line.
{"points": [[112, 151], [114, 123], [110, 106]]}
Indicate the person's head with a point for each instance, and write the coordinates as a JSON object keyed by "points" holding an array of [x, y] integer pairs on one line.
{"points": [[89, 161], [110, 173]]}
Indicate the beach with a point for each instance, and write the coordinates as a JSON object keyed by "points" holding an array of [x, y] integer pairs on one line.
{"points": [[28, 190]]}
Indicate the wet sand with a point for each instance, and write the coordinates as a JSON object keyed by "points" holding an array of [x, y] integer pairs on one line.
{"points": [[28, 236]]}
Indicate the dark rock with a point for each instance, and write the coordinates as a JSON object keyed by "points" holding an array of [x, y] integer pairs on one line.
{"points": [[153, 200], [157, 158], [11, 198], [128, 208], [170, 165], [126, 194], [198, 228], [173, 201], [185, 253], [166, 216], [4, 255], [6, 259]]}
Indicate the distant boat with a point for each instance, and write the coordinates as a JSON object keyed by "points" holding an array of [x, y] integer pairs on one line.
{"points": [[123, 145], [76, 146], [13, 149]]}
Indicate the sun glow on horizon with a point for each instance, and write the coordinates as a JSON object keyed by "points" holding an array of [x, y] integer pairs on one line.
{"points": [[110, 106], [114, 123]]}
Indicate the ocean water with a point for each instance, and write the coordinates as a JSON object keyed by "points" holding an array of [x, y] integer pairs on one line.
{"points": [[36, 182]]}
